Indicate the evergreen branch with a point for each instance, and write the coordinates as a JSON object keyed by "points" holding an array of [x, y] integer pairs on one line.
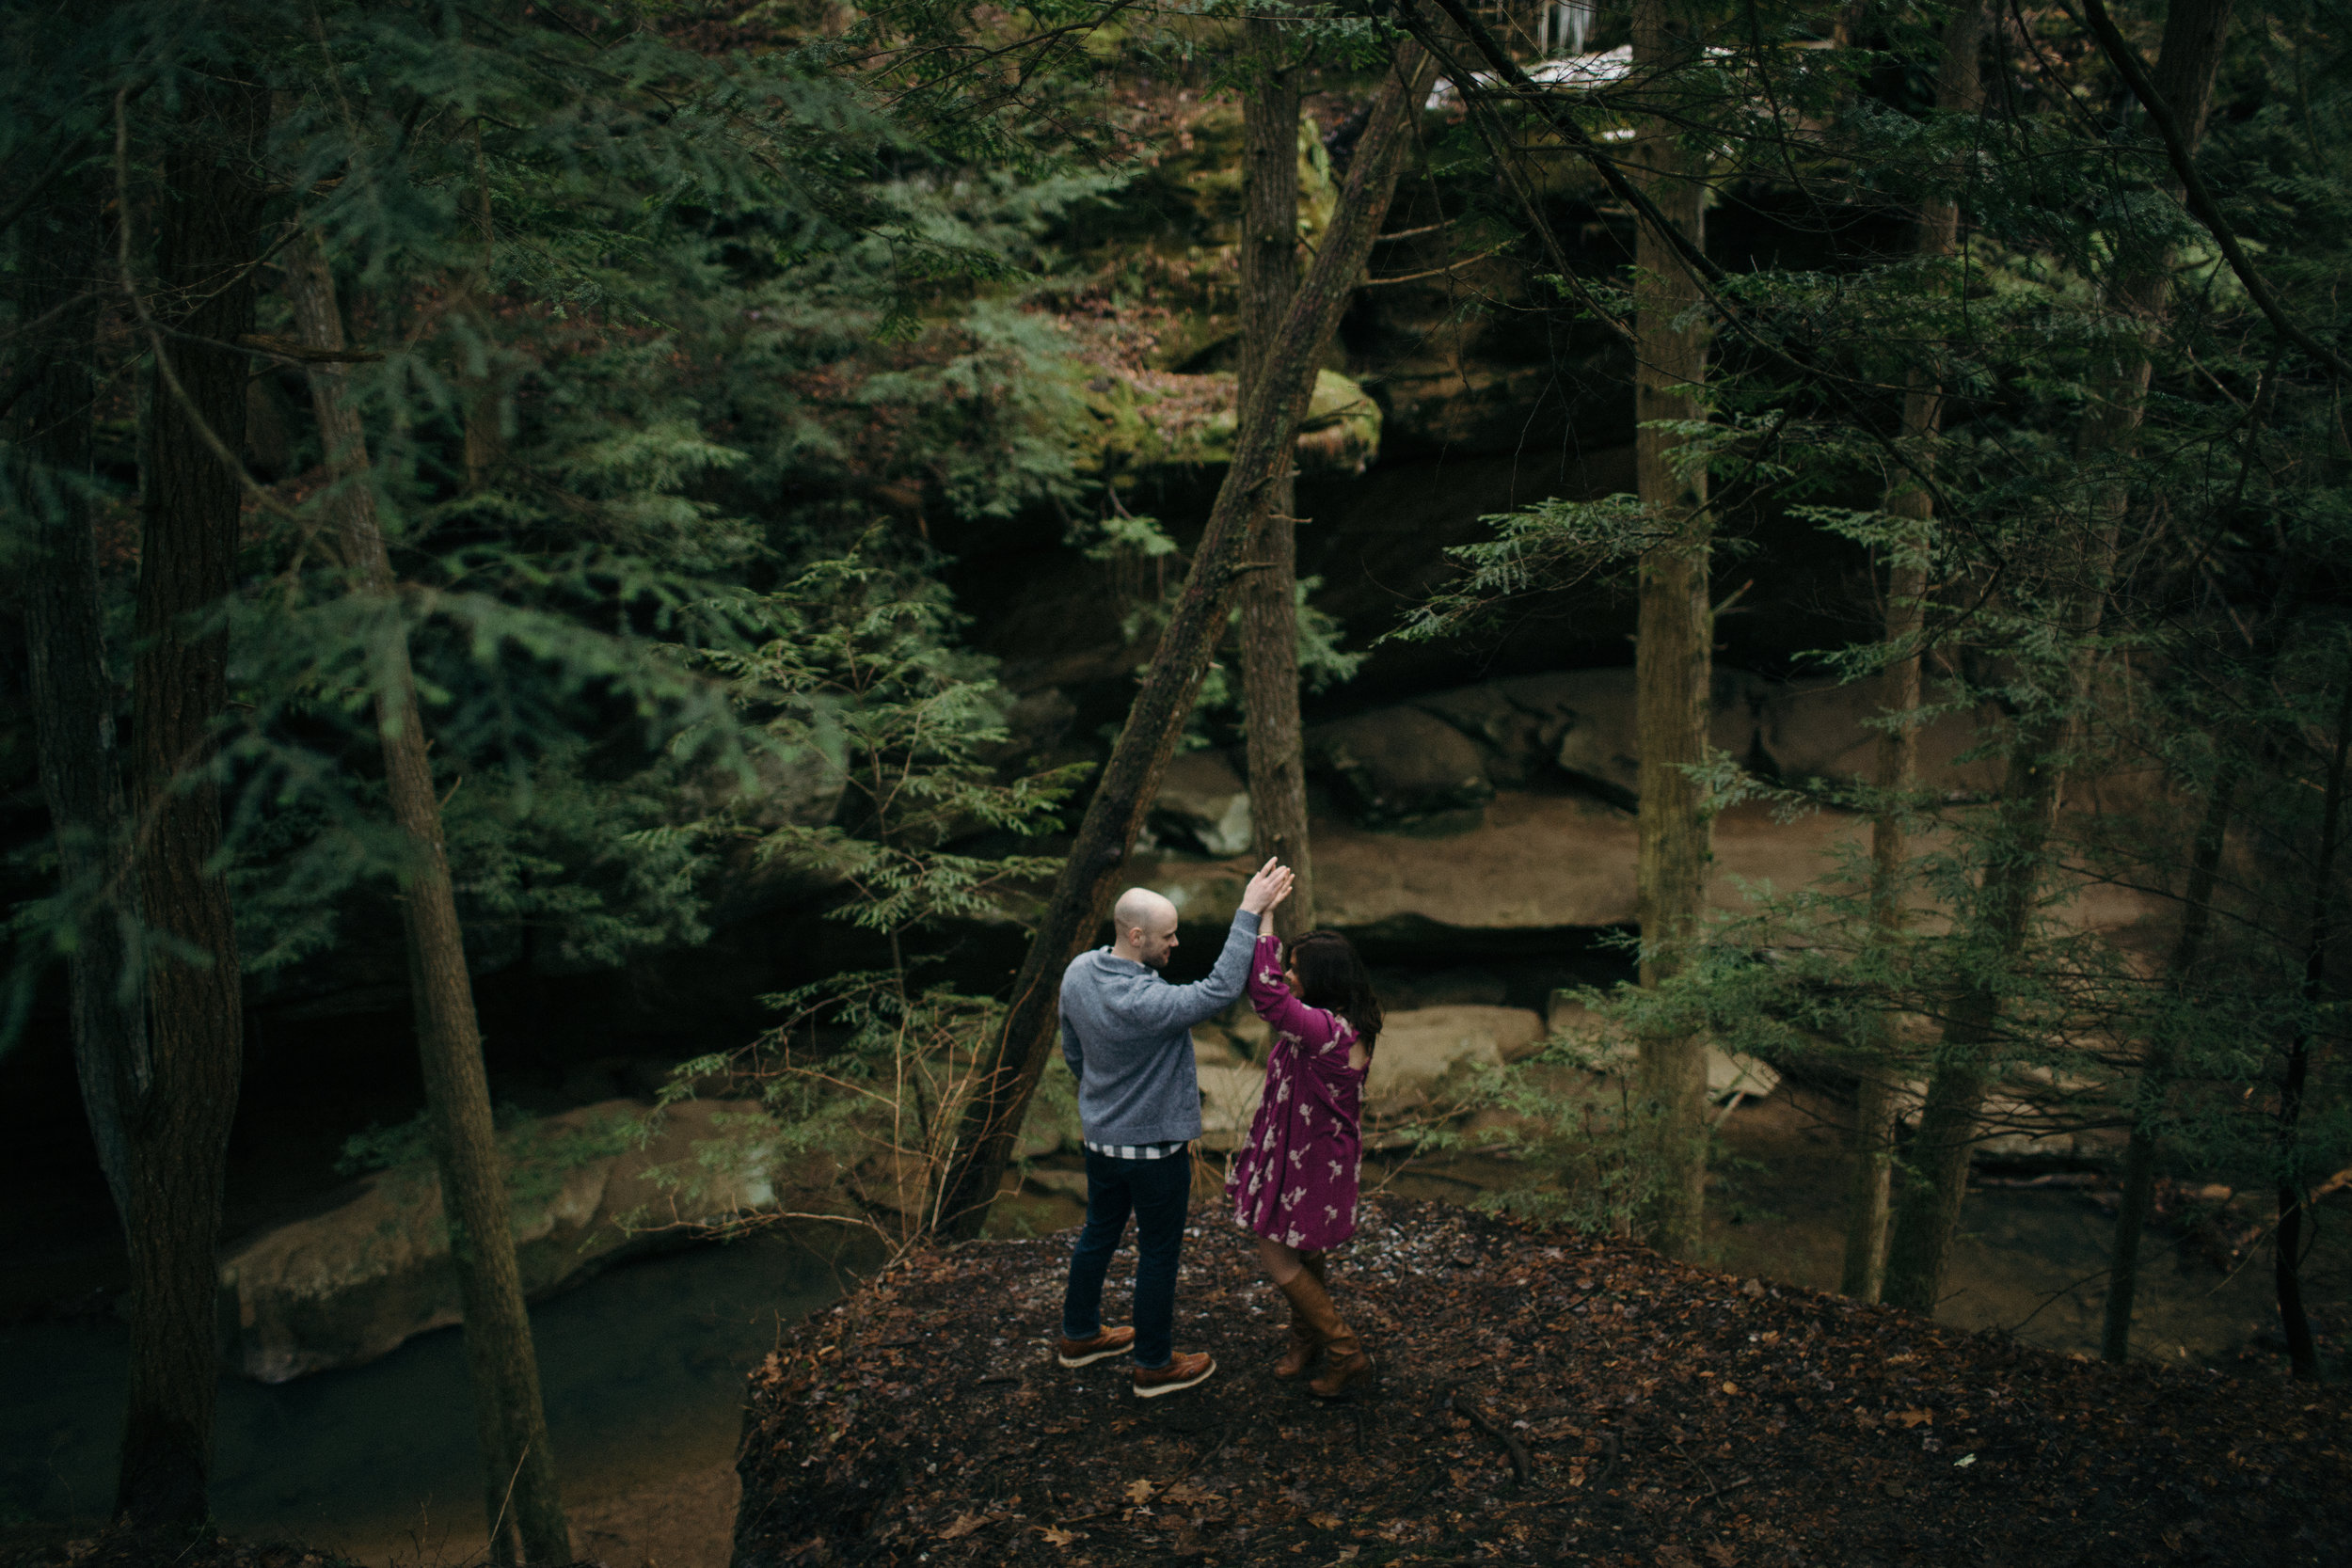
{"points": [[1714, 284], [2200, 196]]}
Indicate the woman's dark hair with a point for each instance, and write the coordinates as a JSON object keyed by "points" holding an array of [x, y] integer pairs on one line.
{"points": [[1333, 977]]}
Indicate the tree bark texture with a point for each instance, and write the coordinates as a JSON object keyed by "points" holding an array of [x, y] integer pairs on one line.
{"points": [[1269, 597], [1896, 764], [1673, 650], [1263, 449], [1928, 1211], [74, 702], [522, 1494], [207, 247]]}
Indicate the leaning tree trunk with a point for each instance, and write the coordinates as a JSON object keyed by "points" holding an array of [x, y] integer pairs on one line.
{"points": [[1269, 599], [1263, 449], [1673, 648], [522, 1496], [177, 1130], [74, 702], [1897, 757], [1929, 1213]]}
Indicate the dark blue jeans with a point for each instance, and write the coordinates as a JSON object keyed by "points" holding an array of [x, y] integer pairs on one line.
{"points": [[1157, 1193]]}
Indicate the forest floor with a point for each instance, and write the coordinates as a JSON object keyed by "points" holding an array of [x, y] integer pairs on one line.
{"points": [[1544, 1397]]}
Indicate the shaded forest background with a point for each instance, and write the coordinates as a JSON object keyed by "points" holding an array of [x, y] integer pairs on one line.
{"points": [[574, 551]]}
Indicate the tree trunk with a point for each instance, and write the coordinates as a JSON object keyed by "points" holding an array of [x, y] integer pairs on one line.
{"points": [[1269, 599], [1263, 449], [1674, 647], [2155, 1077], [1875, 1110], [178, 1130], [1929, 1212], [522, 1498], [2286, 1242], [74, 703], [1898, 755]]}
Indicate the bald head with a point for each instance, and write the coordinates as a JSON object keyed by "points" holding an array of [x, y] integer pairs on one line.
{"points": [[1144, 927]]}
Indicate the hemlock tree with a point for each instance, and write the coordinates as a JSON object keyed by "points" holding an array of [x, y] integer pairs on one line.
{"points": [[1674, 657], [198, 303], [1262, 446], [2003, 905], [526, 1510], [911, 832], [2035, 534], [1269, 599], [48, 461], [541, 569], [1895, 766]]}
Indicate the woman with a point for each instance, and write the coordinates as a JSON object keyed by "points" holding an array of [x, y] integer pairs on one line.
{"points": [[1294, 1182]]}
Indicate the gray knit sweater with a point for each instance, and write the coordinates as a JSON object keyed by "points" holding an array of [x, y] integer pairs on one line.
{"points": [[1127, 1035]]}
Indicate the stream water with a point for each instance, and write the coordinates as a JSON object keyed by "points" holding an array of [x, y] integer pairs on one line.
{"points": [[642, 1369], [644, 1366]]}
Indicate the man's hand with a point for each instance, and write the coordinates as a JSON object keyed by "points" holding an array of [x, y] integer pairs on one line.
{"points": [[1269, 887]]}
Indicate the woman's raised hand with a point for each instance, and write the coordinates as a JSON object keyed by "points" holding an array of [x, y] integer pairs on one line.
{"points": [[1269, 887]]}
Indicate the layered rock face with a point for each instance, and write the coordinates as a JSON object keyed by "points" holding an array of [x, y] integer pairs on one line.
{"points": [[1419, 1050], [357, 1280], [1506, 807]]}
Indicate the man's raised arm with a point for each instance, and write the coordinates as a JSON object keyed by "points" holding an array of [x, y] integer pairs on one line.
{"points": [[1186, 1005]]}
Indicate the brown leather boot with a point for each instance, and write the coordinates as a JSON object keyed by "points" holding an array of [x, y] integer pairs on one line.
{"points": [[1304, 1341], [1349, 1365]]}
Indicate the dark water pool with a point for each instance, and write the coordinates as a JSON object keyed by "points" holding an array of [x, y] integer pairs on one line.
{"points": [[643, 1371]]}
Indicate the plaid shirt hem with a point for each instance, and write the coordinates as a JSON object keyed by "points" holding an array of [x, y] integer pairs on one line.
{"points": [[1138, 1152]]}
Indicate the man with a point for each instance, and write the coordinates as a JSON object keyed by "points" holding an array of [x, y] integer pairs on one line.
{"points": [[1127, 1035]]}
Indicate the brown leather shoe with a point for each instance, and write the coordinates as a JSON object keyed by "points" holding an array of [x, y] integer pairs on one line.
{"points": [[1183, 1370], [1109, 1341]]}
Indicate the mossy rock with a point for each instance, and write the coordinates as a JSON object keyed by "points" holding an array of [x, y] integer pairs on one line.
{"points": [[1158, 420]]}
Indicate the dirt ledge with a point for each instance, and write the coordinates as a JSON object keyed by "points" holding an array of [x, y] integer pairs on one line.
{"points": [[1665, 1416]]}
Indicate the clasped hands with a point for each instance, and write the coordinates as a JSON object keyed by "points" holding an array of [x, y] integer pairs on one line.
{"points": [[1269, 887]]}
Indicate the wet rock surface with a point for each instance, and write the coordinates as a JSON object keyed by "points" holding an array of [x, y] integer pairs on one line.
{"points": [[1544, 1397]]}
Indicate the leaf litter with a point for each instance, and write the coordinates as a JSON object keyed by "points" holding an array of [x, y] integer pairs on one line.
{"points": [[1544, 1397]]}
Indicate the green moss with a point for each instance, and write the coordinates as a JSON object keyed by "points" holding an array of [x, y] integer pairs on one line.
{"points": [[1161, 420]]}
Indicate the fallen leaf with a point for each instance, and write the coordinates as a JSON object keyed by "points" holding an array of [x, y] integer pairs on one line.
{"points": [[1140, 1490], [1324, 1521], [966, 1524], [1060, 1537], [1912, 1417]]}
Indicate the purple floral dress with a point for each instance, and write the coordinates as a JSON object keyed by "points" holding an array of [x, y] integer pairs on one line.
{"points": [[1294, 1180]]}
